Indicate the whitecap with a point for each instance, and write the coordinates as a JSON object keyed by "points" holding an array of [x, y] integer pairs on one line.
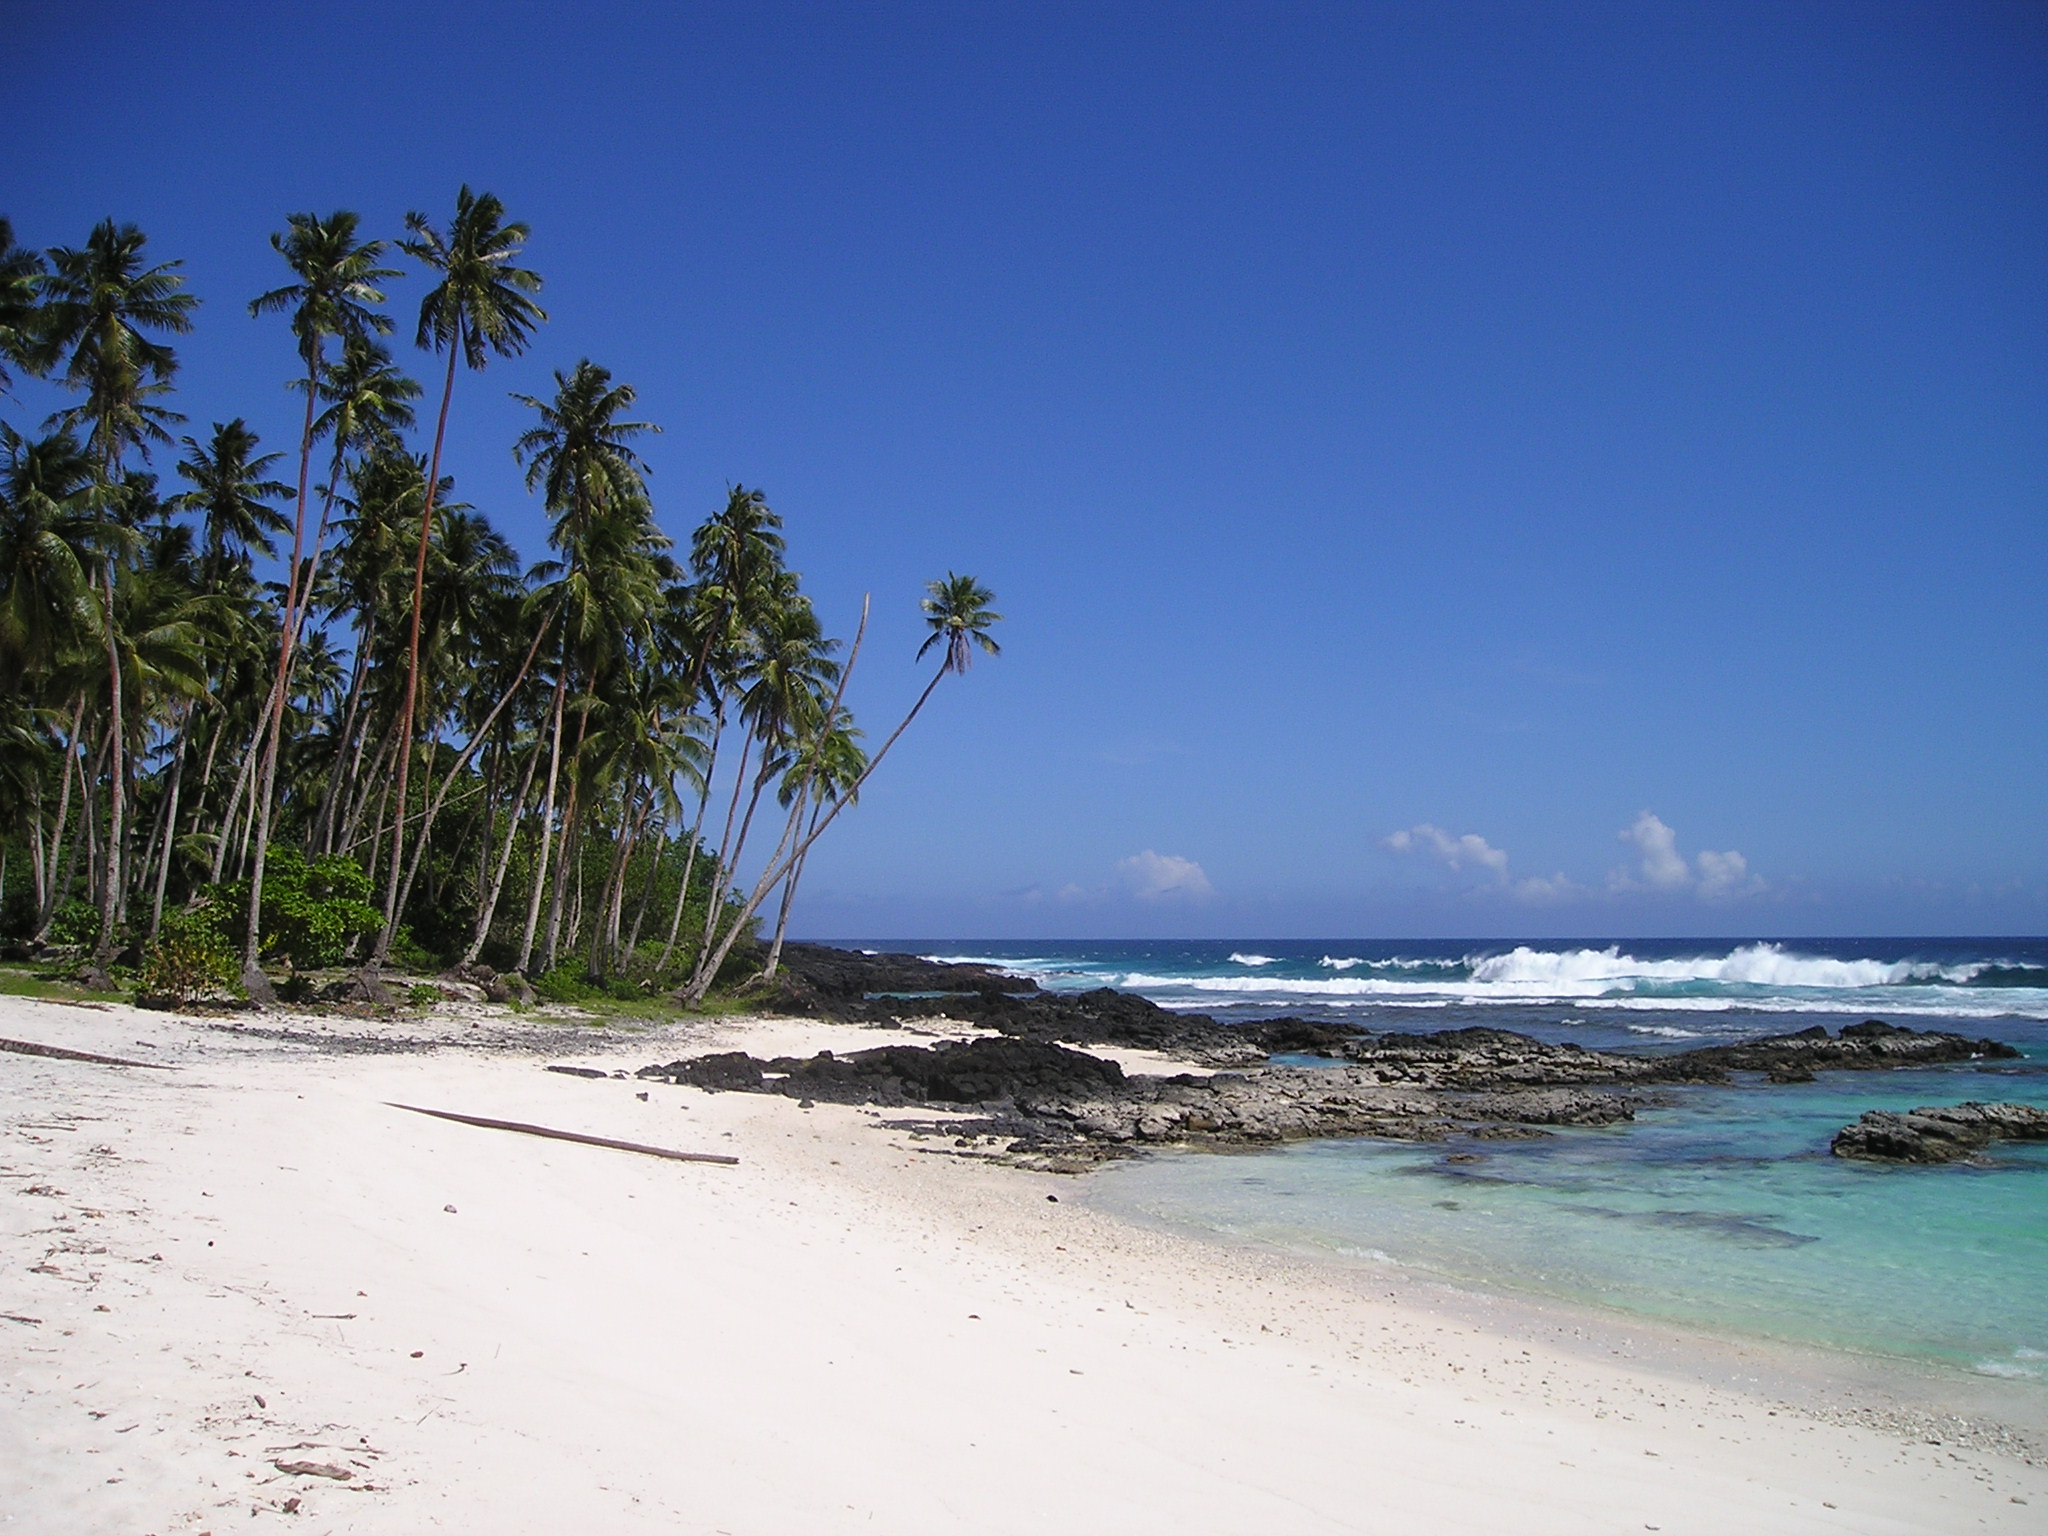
{"points": [[1237, 959]]}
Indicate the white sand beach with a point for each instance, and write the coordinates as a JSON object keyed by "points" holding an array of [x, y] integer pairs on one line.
{"points": [[250, 1262]]}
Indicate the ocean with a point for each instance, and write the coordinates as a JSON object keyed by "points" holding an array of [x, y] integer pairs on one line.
{"points": [[1723, 1212]]}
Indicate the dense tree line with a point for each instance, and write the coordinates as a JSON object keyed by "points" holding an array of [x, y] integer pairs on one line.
{"points": [[402, 747]]}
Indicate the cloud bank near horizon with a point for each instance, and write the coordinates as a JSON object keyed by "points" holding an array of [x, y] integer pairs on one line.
{"points": [[1660, 868]]}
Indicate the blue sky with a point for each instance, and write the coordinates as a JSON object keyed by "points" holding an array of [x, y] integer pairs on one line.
{"points": [[1448, 469]]}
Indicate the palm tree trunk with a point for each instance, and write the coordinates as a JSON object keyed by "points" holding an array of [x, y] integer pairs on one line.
{"points": [[254, 982], [476, 740], [103, 951], [331, 803], [243, 779], [547, 820], [647, 890], [50, 893], [675, 923], [721, 874], [796, 873], [412, 661], [709, 962], [569, 867], [163, 868], [488, 910], [377, 784]]}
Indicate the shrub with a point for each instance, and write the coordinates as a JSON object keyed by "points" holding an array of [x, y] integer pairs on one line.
{"points": [[566, 984], [189, 963], [312, 908], [76, 923]]}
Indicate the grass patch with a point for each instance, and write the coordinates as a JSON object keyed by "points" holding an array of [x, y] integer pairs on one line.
{"points": [[22, 981]]}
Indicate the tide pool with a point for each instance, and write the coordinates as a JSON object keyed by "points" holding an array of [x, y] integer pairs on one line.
{"points": [[1723, 1212]]}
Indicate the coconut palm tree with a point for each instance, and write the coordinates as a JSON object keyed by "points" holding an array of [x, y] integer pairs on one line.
{"points": [[828, 769], [337, 285], [481, 305], [231, 497], [98, 302], [47, 538], [20, 270], [958, 614]]}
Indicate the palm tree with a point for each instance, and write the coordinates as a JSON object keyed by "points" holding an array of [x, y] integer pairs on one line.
{"points": [[481, 305], [828, 769], [958, 614], [580, 456], [98, 301], [46, 542], [337, 283], [369, 404], [20, 270], [232, 498]]}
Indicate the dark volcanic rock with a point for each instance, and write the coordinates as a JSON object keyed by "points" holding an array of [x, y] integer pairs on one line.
{"points": [[1938, 1133], [986, 1071], [1487, 1083], [873, 989], [1049, 1097], [1872, 1045]]}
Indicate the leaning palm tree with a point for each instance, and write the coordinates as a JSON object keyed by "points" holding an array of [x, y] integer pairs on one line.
{"points": [[98, 301], [337, 283], [958, 614], [481, 305]]}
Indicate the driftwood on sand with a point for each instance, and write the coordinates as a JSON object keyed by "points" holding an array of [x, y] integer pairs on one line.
{"points": [[554, 1135], [30, 1048]]}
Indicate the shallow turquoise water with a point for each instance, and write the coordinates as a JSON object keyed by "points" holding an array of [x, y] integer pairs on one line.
{"points": [[1724, 1212]]}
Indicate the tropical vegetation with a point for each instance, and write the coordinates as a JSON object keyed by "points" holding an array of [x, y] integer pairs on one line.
{"points": [[301, 712]]}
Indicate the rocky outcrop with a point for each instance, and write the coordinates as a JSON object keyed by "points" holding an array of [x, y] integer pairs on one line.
{"points": [[1047, 1097], [1938, 1133], [856, 987], [1872, 1046], [1028, 1084]]}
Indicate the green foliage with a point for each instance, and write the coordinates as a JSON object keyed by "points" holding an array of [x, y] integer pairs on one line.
{"points": [[423, 995], [189, 963], [76, 923], [312, 908]]}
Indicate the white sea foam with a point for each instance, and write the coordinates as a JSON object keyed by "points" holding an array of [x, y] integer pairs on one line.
{"points": [[1237, 959], [1666, 1030], [2005, 1369], [1756, 965]]}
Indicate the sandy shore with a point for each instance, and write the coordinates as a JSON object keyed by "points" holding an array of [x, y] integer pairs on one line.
{"points": [[250, 1260]]}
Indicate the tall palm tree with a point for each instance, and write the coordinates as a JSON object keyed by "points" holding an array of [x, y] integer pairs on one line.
{"points": [[580, 454], [957, 612], [20, 270], [369, 404], [98, 301], [482, 305], [337, 285], [232, 498]]}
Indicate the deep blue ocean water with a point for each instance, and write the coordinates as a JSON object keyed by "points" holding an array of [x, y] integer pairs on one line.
{"points": [[1723, 1211]]}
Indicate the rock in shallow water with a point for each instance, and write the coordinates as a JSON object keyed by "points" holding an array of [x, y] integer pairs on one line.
{"points": [[1938, 1133]]}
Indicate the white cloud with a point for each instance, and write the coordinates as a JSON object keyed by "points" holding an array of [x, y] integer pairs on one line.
{"points": [[1539, 892], [1726, 874], [1661, 867], [1470, 848], [1153, 876]]}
